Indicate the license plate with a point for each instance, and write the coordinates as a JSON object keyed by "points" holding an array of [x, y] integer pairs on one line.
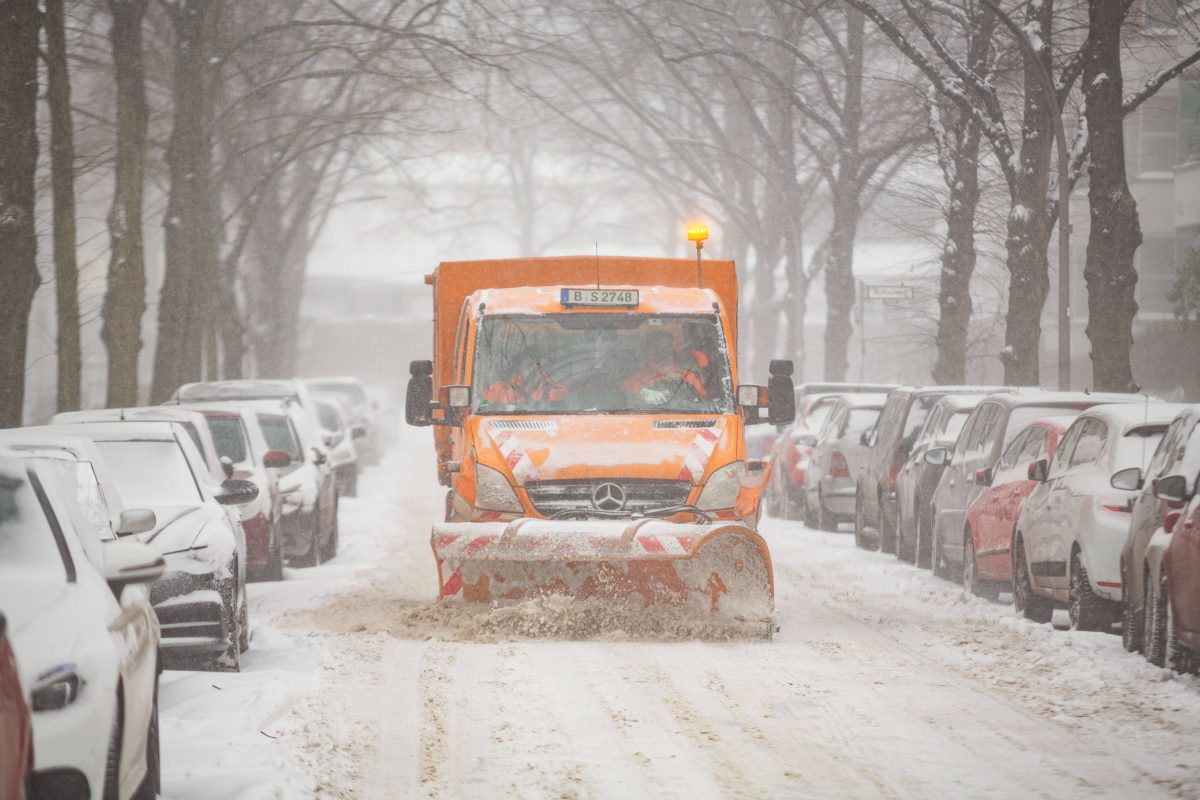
{"points": [[600, 297]]}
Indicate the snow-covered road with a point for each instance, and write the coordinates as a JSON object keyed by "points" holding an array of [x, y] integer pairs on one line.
{"points": [[882, 682]]}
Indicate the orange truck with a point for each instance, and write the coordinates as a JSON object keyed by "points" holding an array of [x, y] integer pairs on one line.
{"points": [[590, 427]]}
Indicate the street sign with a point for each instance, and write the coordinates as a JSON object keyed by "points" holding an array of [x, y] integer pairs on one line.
{"points": [[887, 291]]}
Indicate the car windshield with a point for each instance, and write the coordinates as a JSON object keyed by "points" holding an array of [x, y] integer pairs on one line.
{"points": [[279, 436], [602, 362], [26, 539], [350, 392], [151, 473], [229, 437]]}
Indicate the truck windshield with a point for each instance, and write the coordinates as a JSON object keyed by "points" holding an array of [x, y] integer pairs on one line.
{"points": [[605, 362]]}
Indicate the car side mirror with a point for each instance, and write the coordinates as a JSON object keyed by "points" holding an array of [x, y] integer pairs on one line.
{"points": [[418, 400], [1128, 479], [1038, 470], [781, 393], [318, 456], [236, 492], [127, 562], [806, 440], [227, 466], [1172, 488], [937, 456], [276, 459], [358, 432], [136, 520], [983, 477]]}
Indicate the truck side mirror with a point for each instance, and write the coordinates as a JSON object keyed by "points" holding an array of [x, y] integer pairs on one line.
{"points": [[419, 396], [781, 393]]}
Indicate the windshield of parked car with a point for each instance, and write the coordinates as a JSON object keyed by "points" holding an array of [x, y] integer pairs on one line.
{"points": [[229, 437], [602, 362], [26, 539], [279, 435], [151, 473], [351, 393]]}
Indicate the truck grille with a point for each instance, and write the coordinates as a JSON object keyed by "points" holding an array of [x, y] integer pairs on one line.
{"points": [[551, 497]]}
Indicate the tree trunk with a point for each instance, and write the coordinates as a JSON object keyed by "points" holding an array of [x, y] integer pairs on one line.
{"points": [[125, 296], [961, 170], [1029, 221], [1115, 232], [19, 24], [839, 269], [62, 184], [193, 229]]}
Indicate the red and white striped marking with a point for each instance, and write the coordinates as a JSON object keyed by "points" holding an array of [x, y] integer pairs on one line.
{"points": [[455, 547], [514, 455], [697, 456]]}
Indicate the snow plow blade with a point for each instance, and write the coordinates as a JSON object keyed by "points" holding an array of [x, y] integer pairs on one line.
{"points": [[716, 571]]}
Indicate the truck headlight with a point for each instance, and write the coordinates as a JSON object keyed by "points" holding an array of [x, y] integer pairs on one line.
{"points": [[722, 488], [493, 492]]}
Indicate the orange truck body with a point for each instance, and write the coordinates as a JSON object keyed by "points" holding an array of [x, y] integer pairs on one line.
{"points": [[557, 450]]}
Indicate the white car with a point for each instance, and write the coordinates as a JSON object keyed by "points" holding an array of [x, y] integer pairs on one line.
{"points": [[838, 456], [1067, 546], [201, 598], [339, 436], [84, 635]]}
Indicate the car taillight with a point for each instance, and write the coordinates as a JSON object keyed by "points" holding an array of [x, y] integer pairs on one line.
{"points": [[1170, 521], [894, 473], [1118, 508], [838, 468]]}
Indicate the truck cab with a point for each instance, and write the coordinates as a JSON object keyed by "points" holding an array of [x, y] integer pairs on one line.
{"points": [[589, 400]]}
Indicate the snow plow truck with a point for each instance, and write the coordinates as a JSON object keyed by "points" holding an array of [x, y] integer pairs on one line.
{"points": [[590, 428]]}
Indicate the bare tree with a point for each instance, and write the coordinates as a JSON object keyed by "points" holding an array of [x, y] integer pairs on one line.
{"points": [[20, 22]]}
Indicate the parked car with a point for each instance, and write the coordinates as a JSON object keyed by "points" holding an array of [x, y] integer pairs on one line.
{"points": [[307, 485], [240, 391], [85, 638], [1173, 621], [1178, 453], [16, 725], [991, 426], [1067, 546], [239, 440], [918, 478], [201, 598], [992, 515], [839, 451], [790, 455], [889, 445], [805, 391], [363, 412], [339, 437]]}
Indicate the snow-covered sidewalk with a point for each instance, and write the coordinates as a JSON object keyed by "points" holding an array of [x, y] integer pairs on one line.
{"points": [[883, 682]]}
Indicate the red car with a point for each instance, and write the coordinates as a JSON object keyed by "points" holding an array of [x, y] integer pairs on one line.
{"points": [[16, 732], [992, 517], [1179, 616]]}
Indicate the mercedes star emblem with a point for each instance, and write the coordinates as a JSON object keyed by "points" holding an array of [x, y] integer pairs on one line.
{"points": [[608, 497]]}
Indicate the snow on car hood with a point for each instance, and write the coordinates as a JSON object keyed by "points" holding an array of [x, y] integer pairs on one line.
{"points": [[622, 446]]}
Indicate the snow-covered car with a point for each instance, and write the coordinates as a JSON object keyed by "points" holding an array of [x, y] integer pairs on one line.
{"points": [[85, 638], [918, 479], [992, 516], [307, 485], [339, 436], [838, 455], [16, 725], [363, 412], [1173, 603], [242, 391], [1178, 453], [989, 429], [201, 598], [240, 441], [1067, 546], [790, 455]]}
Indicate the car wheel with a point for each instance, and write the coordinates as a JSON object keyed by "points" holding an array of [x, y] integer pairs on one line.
{"points": [[1088, 612], [243, 624], [1031, 605], [112, 761], [825, 518], [230, 659], [970, 575], [352, 484], [274, 568], [1155, 621], [331, 546], [153, 780], [312, 557], [1133, 622], [887, 531], [906, 548], [924, 546], [811, 518], [860, 526], [935, 553]]}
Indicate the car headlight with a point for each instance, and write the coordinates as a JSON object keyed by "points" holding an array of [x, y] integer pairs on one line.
{"points": [[56, 688], [493, 492], [722, 488]]}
